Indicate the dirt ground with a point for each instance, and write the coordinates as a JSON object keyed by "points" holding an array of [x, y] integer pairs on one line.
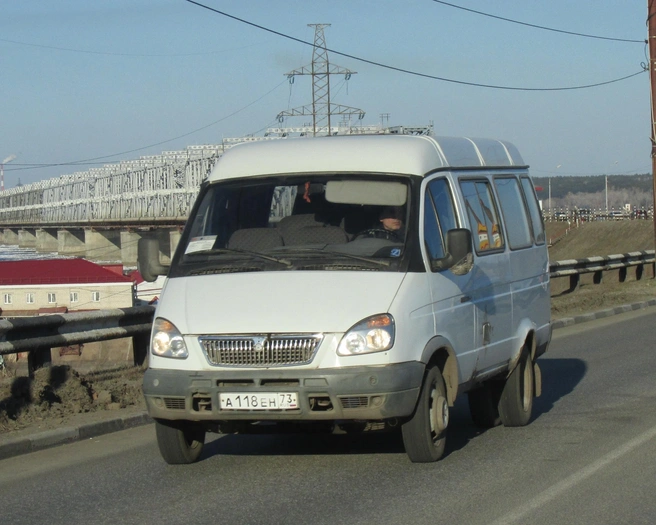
{"points": [[58, 396]]}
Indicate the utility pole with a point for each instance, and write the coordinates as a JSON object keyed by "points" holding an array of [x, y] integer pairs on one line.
{"points": [[321, 108], [2, 171], [549, 197], [651, 24]]}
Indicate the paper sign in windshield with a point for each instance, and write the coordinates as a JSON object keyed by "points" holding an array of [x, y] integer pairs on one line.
{"points": [[200, 244]]}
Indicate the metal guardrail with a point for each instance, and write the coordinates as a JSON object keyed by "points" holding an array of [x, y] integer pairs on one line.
{"points": [[574, 268], [27, 334], [30, 334], [598, 214]]}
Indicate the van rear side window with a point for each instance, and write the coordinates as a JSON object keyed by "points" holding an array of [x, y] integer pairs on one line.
{"points": [[514, 212], [534, 210], [483, 216]]}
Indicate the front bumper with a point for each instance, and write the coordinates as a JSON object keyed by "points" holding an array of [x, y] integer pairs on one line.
{"points": [[353, 393]]}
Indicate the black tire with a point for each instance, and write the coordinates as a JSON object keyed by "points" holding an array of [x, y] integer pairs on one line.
{"points": [[424, 435], [516, 403], [484, 404], [179, 443]]}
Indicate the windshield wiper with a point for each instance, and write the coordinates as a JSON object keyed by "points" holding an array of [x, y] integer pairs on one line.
{"points": [[241, 252], [338, 254]]}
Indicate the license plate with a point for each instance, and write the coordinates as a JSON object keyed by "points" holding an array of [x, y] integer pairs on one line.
{"points": [[259, 401]]}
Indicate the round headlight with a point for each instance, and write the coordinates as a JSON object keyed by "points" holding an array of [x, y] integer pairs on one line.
{"points": [[379, 339], [355, 343], [161, 343], [178, 347]]}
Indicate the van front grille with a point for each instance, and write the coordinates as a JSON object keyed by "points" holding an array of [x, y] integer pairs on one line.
{"points": [[260, 350], [174, 403], [354, 402]]}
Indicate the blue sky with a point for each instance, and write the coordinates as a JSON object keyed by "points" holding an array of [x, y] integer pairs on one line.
{"points": [[86, 79]]}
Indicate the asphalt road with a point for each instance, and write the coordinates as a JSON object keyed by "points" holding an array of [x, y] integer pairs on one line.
{"points": [[588, 457]]}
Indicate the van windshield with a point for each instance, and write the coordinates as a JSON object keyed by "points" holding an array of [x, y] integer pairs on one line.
{"points": [[327, 222]]}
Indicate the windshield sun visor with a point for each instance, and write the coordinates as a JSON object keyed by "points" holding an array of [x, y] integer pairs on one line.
{"points": [[373, 193]]}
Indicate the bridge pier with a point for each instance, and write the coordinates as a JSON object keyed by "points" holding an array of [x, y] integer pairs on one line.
{"points": [[10, 236], [46, 240], [174, 240], [27, 238], [129, 243], [95, 245], [71, 243], [102, 245]]}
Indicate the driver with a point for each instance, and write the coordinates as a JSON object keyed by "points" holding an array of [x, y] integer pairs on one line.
{"points": [[392, 227]]}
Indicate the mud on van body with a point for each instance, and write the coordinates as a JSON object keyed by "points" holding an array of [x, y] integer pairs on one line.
{"points": [[349, 281]]}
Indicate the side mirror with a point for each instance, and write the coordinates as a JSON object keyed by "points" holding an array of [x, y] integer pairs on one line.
{"points": [[459, 258], [148, 260]]}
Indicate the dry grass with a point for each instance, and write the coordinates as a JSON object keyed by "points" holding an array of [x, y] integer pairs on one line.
{"points": [[599, 238]]}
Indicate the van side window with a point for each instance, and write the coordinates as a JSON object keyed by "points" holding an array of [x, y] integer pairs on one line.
{"points": [[432, 233], [534, 210], [514, 212], [439, 217], [439, 189], [483, 216]]}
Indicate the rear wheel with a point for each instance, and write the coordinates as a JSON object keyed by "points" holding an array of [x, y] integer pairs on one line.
{"points": [[516, 403], [179, 442], [424, 435]]}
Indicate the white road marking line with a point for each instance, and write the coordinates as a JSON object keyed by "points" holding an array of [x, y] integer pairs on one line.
{"points": [[556, 490]]}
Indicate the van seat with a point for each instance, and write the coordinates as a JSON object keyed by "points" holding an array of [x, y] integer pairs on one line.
{"points": [[294, 222], [255, 239], [315, 235]]}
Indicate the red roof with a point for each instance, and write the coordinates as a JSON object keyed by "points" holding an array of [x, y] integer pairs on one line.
{"points": [[56, 271], [116, 268], [135, 277]]}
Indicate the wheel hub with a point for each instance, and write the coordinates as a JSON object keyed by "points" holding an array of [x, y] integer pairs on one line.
{"points": [[439, 413]]}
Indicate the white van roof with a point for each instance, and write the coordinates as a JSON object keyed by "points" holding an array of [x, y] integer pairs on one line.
{"points": [[401, 154]]}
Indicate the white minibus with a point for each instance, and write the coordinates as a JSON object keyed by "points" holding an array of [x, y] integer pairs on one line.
{"points": [[351, 283]]}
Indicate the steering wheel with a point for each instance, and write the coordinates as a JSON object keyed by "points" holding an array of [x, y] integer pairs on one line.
{"points": [[377, 233]]}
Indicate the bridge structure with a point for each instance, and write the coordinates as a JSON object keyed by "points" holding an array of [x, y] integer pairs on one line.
{"points": [[101, 213]]}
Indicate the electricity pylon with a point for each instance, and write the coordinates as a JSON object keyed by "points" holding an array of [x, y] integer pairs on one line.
{"points": [[321, 108]]}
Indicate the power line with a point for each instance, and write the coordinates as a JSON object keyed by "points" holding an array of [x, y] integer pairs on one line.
{"points": [[109, 53], [90, 161], [535, 26], [408, 71]]}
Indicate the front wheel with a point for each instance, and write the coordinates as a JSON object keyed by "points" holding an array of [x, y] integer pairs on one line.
{"points": [[179, 442], [424, 435], [516, 403]]}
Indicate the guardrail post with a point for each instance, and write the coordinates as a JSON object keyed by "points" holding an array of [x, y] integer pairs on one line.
{"points": [[598, 276], [640, 268], [37, 359], [623, 274], [140, 344], [574, 280]]}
